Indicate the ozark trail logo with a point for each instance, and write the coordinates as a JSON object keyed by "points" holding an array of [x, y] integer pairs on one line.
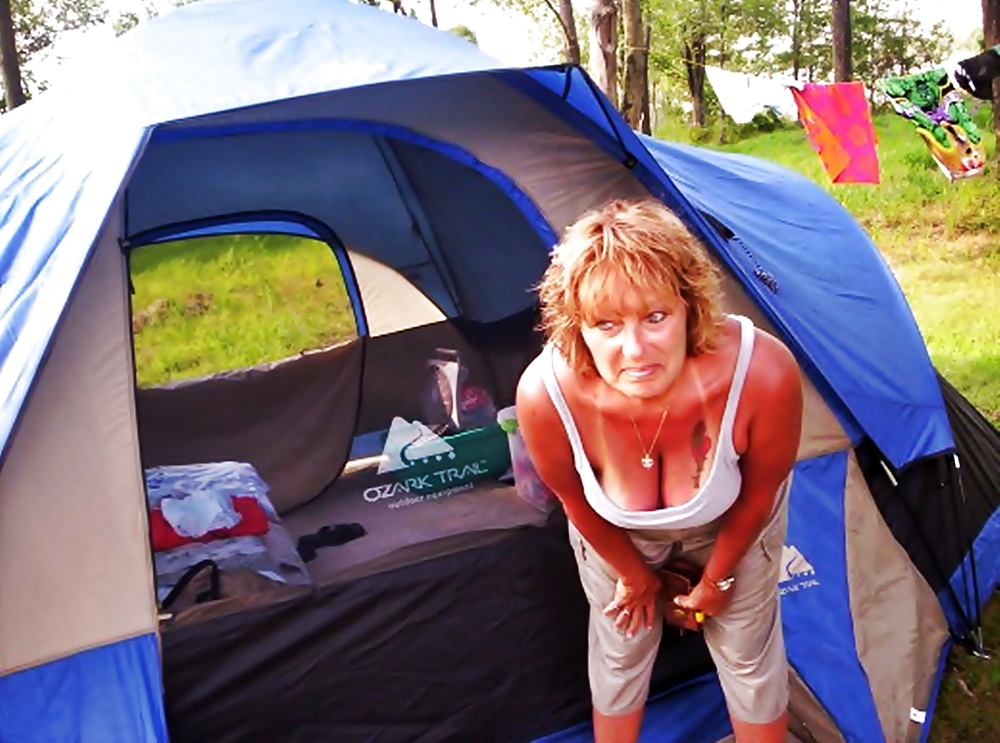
{"points": [[407, 443], [796, 572]]}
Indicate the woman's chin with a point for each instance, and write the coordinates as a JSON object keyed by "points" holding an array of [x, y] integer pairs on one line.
{"points": [[644, 388]]}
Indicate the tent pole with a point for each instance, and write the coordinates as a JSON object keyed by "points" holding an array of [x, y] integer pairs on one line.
{"points": [[977, 647]]}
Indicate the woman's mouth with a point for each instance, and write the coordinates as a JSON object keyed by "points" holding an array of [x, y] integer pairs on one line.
{"points": [[640, 373]]}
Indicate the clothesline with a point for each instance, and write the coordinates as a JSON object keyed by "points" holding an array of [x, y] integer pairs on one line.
{"points": [[837, 115]]}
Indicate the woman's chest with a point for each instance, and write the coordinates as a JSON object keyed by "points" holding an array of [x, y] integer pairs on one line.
{"points": [[650, 466]]}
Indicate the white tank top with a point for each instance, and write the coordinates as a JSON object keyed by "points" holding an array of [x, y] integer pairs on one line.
{"points": [[719, 491]]}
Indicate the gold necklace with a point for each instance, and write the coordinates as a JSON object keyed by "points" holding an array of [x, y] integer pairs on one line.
{"points": [[647, 460]]}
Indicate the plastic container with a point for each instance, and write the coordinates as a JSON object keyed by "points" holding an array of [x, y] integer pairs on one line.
{"points": [[526, 481]]}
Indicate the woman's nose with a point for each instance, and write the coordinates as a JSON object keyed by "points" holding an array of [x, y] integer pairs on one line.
{"points": [[632, 344]]}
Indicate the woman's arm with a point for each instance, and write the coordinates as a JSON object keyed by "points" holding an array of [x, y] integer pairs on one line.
{"points": [[773, 389], [552, 456]]}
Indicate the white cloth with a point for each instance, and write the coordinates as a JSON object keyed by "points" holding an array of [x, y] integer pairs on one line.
{"points": [[744, 96], [199, 513]]}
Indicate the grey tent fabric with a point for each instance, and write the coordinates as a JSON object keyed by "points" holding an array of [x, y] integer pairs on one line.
{"points": [[339, 178], [293, 421], [498, 267], [75, 565]]}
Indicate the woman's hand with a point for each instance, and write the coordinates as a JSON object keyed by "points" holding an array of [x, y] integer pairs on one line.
{"points": [[634, 605], [705, 598]]}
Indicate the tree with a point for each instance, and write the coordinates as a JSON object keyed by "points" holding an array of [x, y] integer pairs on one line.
{"points": [[888, 41], [841, 23], [807, 29], [127, 20], [679, 48], [695, 56], [10, 66], [466, 33], [36, 24], [571, 40], [634, 83], [645, 121], [604, 47], [396, 6], [690, 34], [563, 15], [991, 37]]}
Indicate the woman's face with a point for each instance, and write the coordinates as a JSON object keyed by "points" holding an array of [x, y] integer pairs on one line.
{"points": [[638, 341]]}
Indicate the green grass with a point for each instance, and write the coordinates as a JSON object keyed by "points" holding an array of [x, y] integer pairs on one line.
{"points": [[968, 709], [218, 303], [913, 194], [942, 241]]}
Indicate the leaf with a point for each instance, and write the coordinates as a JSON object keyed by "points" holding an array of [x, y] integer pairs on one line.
{"points": [[964, 687]]}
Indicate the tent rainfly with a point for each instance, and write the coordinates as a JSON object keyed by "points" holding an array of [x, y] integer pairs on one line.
{"points": [[439, 179]]}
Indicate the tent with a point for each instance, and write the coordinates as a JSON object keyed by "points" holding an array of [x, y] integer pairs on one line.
{"points": [[439, 179]]}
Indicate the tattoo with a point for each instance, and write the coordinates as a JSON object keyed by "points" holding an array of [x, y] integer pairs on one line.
{"points": [[701, 445]]}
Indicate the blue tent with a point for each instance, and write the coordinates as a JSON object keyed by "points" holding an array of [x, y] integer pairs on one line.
{"points": [[440, 179]]}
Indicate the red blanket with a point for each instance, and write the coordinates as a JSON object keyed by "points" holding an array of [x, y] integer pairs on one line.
{"points": [[253, 523]]}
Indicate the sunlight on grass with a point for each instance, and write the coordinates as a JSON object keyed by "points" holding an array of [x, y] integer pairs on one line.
{"points": [[217, 303], [952, 292]]}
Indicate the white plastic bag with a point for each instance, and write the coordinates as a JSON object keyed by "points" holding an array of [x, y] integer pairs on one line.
{"points": [[526, 480], [198, 513]]}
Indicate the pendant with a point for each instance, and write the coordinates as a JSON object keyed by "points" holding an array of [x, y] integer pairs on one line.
{"points": [[647, 462]]}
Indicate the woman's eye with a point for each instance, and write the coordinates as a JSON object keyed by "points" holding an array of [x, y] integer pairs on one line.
{"points": [[656, 317], [605, 325]]}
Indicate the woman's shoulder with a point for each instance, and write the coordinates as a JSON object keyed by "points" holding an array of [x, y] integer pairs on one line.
{"points": [[548, 366], [531, 386], [534, 397], [540, 424], [773, 371]]}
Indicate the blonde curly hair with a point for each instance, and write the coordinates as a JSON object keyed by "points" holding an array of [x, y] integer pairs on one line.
{"points": [[644, 242]]}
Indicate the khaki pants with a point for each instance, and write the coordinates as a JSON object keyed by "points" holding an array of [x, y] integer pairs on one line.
{"points": [[745, 641]]}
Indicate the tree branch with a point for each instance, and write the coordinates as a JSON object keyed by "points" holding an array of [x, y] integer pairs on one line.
{"points": [[562, 23]]}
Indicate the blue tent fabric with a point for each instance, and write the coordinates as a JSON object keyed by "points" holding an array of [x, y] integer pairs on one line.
{"points": [[110, 694], [837, 299], [815, 602], [270, 51], [986, 558], [65, 157], [693, 712], [925, 732]]}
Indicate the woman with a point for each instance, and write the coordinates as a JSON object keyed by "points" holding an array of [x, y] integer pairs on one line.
{"points": [[666, 429]]}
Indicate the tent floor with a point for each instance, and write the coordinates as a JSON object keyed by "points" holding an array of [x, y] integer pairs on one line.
{"points": [[404, 529], [484, 644]]}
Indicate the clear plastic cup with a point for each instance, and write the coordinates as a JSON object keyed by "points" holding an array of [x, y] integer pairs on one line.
{"points": [[526, 481]]}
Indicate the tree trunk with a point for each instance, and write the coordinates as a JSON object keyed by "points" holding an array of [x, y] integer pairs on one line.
{"points": [[647, 124], [991, 37], [635, 53], [571, 42], [10, 68], [723, 52], [842, 40], [796, 37], [695, 53], [434, 13], [603, 47]]}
